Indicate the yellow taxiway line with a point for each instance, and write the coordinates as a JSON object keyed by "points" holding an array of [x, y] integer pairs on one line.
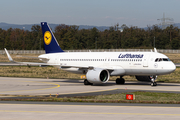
{"points": [[56, 86]]}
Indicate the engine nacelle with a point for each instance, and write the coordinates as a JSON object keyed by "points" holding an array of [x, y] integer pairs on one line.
{"points": [[97, 75], [145, 78]]}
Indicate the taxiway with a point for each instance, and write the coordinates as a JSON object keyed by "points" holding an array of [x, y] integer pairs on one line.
{"points": [[13, 110], [80, 111], [67, 87]]}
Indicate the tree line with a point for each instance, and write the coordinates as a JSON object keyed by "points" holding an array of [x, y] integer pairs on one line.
{"points": [[71, 37]]}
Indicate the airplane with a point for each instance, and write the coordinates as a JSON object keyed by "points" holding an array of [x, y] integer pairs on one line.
{"points": [[99, 66]]}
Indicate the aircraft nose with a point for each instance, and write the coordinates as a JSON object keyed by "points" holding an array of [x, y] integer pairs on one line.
{"points": [[172, 68]]}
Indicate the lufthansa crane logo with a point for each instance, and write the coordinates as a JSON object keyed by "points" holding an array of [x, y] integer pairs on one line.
{"points": [[47, 37]]}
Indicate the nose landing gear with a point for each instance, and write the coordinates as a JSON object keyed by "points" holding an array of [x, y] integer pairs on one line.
{"points": [[153, 78]]}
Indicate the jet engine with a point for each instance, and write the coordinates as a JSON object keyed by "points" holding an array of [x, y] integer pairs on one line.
{"points": [[97, 75], [145, 78]]}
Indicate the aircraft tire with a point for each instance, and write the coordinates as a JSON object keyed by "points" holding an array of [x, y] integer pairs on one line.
{"points": [[120, 81], [153, 84], [86, 82]]}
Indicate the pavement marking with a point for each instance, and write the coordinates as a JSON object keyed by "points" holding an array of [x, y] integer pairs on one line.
{"points": [[152, 89], [16, 111], [57, 85], [88, 91], [117, 89]]}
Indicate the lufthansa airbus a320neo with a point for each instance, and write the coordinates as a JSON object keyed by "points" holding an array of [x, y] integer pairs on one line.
{"points": [[99, 66]]}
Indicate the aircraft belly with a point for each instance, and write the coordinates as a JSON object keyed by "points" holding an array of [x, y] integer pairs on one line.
{"points": [[141, 71], [118, 72]]}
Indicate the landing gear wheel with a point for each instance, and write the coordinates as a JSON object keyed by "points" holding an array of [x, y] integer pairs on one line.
{"points": [[153, 84], [117, 81], [153, 78], [120, 81], [86, 82]]}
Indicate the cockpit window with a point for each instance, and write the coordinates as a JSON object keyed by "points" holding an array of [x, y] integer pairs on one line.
{"points": [[165, 59], [162, 59], [168, 59], [156, 59]]}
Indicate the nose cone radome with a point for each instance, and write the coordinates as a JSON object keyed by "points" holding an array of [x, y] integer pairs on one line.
{"points": [[171, 67], [168, 68]]}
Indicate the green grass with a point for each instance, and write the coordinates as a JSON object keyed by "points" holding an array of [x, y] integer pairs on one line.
{"points": [[52, 72], [140, 97]]}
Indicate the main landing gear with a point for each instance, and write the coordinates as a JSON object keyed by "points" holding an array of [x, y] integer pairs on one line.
{"points": [[153, 78], [120, 80], [86, 82]]}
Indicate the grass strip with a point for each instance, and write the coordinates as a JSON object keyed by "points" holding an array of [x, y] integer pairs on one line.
{"points": [[140, 97], [54, 73]]}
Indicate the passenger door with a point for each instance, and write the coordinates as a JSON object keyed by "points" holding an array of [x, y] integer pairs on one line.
{"points": [[145, 61]]}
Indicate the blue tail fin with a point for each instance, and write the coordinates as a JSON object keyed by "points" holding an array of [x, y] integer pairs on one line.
{"points": [[50, 43]]}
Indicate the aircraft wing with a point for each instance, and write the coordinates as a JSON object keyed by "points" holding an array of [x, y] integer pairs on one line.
{"points": [[49, 64], [44, 64], [39, 58], [26, 63]]}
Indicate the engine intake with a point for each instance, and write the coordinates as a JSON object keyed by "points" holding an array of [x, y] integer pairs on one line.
{"points": [[97, 76]]}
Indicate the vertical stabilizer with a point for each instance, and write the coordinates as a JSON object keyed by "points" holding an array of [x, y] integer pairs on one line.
{"points": [[50, 43]]}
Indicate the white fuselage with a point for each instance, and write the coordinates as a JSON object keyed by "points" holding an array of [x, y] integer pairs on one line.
{"points": [[120, 63]]}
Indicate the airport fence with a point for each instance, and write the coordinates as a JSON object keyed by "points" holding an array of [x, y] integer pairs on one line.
{"points": [[92, 50]]}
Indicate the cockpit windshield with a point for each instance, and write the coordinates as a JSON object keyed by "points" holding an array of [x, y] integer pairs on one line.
{"points": [[162, 59]]}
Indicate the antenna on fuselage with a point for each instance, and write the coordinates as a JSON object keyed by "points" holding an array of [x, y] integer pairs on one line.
{"points": [[154, 45], [155, 50], [154, 41]]}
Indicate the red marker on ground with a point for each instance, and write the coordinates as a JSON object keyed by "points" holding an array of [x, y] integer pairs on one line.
{"points": [[130, 97]]}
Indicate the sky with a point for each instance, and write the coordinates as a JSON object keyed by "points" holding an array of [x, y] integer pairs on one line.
{"points": [[138, 13]]}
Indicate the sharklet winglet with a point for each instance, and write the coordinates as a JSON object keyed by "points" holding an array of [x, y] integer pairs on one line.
{"points": [[9, 57]]}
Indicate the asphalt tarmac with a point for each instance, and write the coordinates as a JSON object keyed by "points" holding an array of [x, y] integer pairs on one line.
{"points": [[12, 110], [69, 87]]}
